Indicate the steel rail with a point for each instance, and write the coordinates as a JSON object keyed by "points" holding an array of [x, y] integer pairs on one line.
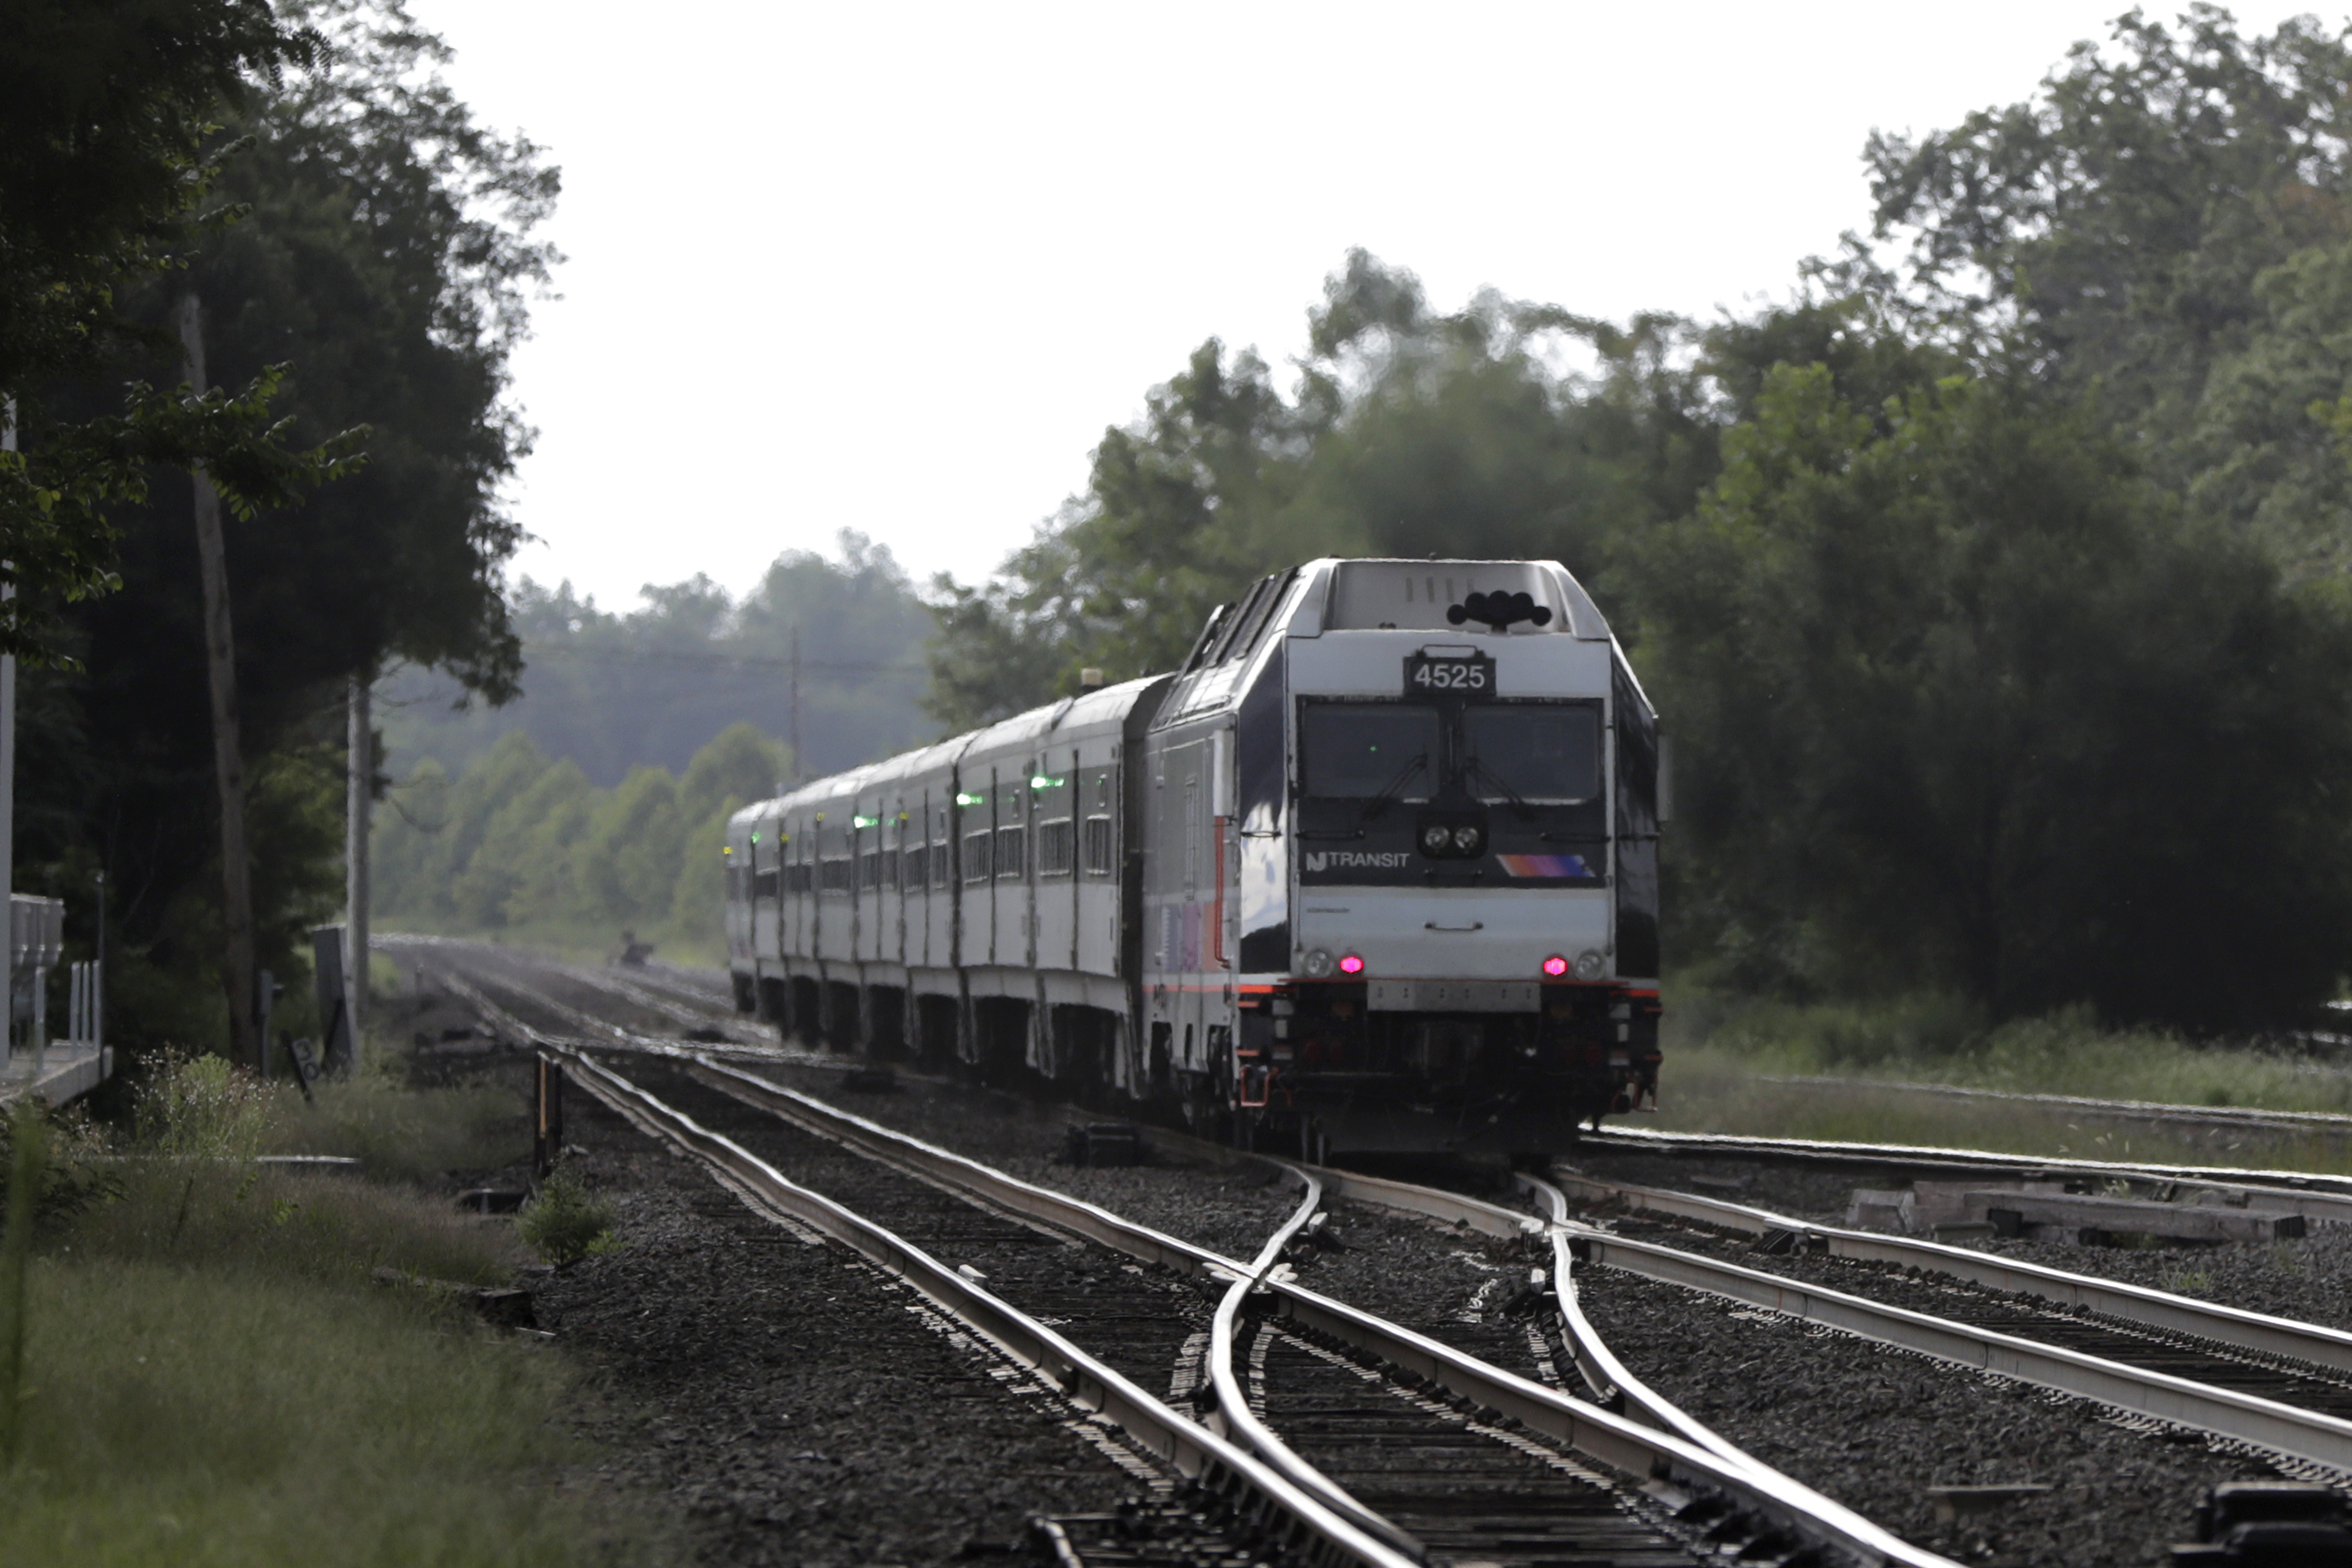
{"points": [[1242, 1422], [2285, 1185], [1611, 1382], [1256, 1491], [2235, 1326], [2286, 1429], [2310, 1435], [1629, 1447], [504, 1021], [2155, 1110], [1656, 1460], [676, 1009]]}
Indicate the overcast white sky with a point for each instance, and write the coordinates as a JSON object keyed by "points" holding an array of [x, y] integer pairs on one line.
{"points": [[896, 267]]}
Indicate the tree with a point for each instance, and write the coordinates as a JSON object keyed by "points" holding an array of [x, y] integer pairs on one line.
{"points": [[108, 115], [378, 276], [520, 843], [1410, 432], [1966, 700], [2166, 224], [612, 690], [739, 762]]}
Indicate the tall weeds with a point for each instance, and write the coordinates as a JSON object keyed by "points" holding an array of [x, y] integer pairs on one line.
{"points": [[28, 1155]]}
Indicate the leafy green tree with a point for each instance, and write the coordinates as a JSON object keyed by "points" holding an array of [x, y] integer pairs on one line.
{"points": [[470, 808], [404, 838], [1411, 432], [498, 874], [2165, 223], [547, 889], [1965, 699], [615, 690], [108, 115], [702, 877], [383, 253], [738, 765], [636, 843]]}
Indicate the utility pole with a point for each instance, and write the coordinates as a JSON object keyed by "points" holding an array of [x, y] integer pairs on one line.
{"points": [[794, 739], [8, 750], [356, 812], [228, 758]]}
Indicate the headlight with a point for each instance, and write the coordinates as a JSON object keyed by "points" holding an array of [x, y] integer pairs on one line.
{"points": [[1591, 965], [1466, 839], [1434, 839], [1317, 964]]}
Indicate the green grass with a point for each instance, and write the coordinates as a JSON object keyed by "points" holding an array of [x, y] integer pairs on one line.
{"points": [[1722, 1052], [1938, 1041], [214, 1376], [183, 1416], [413, 1134]]}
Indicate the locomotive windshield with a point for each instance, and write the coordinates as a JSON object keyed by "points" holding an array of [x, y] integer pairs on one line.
{"points": [[1548, 753], [1364, 751]]}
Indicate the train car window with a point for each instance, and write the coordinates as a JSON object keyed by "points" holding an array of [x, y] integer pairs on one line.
{"points": [[1011, 859], [943, 864], [1055, 842], [1360, 750], [870, 865], [1099, 847], [835, 875], [976, 857], [1540, 752]]}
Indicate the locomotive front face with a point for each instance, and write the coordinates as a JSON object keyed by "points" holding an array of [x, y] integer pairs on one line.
{"points": [[1471, 960]]}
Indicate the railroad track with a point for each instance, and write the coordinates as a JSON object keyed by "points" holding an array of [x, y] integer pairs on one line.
{"points": [[2316, 1194], [2273, 1360], [1409, 1447], [2273, 1384]]}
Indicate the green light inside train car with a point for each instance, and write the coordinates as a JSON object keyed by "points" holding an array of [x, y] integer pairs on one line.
{"points": [[971, 800], [864, 821], [1041, 782]]}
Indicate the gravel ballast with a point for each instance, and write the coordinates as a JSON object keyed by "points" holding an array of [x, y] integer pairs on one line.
{"points": [[2308, 1277], [1873, 1428], [789, 1399]]}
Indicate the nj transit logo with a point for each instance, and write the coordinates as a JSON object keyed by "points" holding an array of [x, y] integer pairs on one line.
{"points": [[1355, 859]]}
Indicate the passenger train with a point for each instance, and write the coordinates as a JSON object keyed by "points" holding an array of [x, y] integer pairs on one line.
{"points": [[1375, 871]]}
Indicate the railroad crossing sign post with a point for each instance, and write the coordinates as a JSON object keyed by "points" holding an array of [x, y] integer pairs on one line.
{"points": [[546, 1122]]}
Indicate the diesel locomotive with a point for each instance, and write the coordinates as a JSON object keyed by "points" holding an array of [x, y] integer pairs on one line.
{"points": [[1375, 871]]}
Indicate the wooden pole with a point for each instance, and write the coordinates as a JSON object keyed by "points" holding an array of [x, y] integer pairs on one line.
{"points": [[228, 757], [8, 755], [356, 855]]}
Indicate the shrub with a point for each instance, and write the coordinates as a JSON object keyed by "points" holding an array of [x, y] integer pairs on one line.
{"points": [[565, 1222]]}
